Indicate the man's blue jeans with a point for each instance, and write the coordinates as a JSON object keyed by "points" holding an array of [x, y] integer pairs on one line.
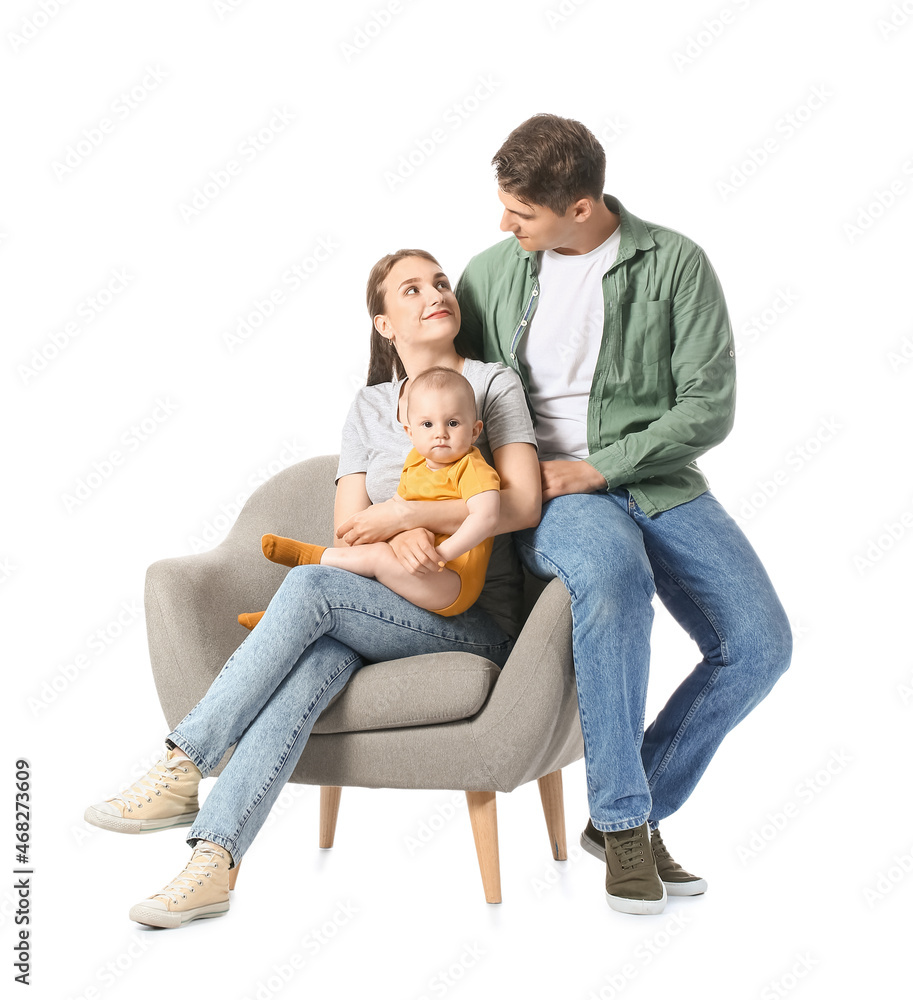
{"points": [[613, 558], [320, 627]]}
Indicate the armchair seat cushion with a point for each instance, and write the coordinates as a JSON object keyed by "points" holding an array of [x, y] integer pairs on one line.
{"points": [[413, 691]]}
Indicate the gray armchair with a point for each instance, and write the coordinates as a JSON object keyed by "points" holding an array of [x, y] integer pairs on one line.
{"points": [[467, 726]]}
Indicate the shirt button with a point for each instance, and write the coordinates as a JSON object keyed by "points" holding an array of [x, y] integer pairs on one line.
{"points": [[522, 322], [513, 357], [535, 291], [732, 354]]}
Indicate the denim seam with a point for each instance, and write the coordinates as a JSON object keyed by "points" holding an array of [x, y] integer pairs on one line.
{"points": [[695, 705], [724, 647], [290, 745], [413, 628]]}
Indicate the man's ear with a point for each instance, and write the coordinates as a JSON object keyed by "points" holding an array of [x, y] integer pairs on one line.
{"points": [[476, 430], [582, 209]]}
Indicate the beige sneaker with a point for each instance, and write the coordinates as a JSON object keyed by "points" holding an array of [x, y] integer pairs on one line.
{"points": [[201, 890], [164, 797]]}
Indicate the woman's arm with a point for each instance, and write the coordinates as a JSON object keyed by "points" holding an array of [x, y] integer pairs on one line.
{"points": [[521, 503], [351, 497]]}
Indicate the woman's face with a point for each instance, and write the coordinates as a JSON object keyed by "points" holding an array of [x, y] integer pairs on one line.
{"points": [[420, 308]]}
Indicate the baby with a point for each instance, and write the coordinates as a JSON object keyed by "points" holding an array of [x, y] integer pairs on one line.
{"points": [[442, 465]]}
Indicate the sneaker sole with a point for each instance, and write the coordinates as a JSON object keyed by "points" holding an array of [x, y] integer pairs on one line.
{"points": [[120, 824], [692, 888], [637, 906], [152, 917]]}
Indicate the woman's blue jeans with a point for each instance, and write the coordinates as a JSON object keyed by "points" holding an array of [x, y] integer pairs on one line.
{"points": [[613, 558], [320, 627]]}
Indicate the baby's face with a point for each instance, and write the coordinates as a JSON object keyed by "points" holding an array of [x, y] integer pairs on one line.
{"points": [[442, 425]]}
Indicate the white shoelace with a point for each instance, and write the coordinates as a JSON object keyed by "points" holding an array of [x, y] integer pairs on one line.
{"points": [[190, 877], [159, 774]]}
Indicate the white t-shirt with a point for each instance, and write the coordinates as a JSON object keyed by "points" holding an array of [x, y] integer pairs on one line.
{"points": [[561, 346]]}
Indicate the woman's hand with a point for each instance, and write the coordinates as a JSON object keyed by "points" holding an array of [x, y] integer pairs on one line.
{"points": [[377, 523], [415, 550]]}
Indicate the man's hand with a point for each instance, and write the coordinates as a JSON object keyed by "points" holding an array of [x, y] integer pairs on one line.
{"points": [[415, 550], [377, 523], [561, 478]]}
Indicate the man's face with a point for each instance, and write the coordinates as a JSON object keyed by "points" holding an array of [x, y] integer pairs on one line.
{"points": [[442, 425], [535, 226]]}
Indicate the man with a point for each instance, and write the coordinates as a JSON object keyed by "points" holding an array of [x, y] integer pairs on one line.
{"points": [[619, 331]]}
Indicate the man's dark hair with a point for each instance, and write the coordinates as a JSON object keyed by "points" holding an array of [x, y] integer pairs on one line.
{"points": [[551, 161]]}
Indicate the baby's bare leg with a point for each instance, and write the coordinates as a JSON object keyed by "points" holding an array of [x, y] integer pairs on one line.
{"points": [[429, 591]]}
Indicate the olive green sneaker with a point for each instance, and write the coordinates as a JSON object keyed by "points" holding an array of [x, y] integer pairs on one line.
{"points": [[165, 796], [201, 890], [677, 881], [632, 883]]}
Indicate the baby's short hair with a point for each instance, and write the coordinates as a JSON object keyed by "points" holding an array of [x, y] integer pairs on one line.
{"points": [[445, 378]]}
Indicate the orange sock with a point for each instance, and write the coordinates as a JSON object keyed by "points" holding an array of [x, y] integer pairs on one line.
{"points": [[289, 552], [251, 619]]}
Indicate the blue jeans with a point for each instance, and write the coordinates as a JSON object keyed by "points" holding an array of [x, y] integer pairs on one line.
{"points": [[613, 558], [320, 627]]}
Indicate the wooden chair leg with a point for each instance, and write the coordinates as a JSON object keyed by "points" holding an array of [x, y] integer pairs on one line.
{"points": [[483, 815], [233, 875], [329, 810], [551, 791]]}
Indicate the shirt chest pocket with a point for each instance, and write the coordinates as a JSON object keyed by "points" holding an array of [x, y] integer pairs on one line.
{"points": [[645, 333]]}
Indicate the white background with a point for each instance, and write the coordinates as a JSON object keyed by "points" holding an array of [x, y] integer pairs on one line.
{"points": [[775, 134]]}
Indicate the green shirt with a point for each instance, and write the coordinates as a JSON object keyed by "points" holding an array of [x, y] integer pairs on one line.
{"points": [[663, 389]]}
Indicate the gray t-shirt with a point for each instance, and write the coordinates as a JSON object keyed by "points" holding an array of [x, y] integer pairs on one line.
{"points": [[374, 442]]}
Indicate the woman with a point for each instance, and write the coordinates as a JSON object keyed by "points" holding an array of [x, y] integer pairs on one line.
{"points": [[321, 621]]}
